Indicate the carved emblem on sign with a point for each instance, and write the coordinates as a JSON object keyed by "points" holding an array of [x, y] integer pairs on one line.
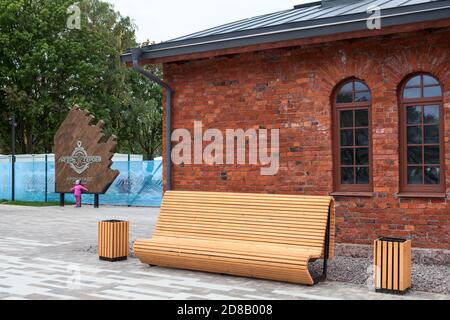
{"points": [[83, 153], [79, 161]]}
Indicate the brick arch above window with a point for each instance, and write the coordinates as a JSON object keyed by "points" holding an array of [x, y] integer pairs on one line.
{"points": [[402, 62], [352, 131], [422, 149]]}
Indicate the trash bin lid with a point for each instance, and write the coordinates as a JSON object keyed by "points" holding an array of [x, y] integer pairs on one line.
{"points": [[392, 239]]}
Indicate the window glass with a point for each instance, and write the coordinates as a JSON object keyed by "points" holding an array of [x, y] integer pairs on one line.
{"points": [[414, 155], [359, 86], [429, 80], [429, 92], [362, 118], [347, 87], [432, 175], [362, 137], [347, 175], [414, 115], [431, 114], [431, 134], [354, 91], [362, 175], [421, 129], [345, 97], [415, 135], [347, 137], [415, 175], [347, 156], [362, 96], [431, 155], [347, 119], [414, 82], [412, 93], [353, 128], [362, 156]]}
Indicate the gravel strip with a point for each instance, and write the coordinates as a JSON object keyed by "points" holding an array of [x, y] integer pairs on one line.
{"points": [[428, 278]]}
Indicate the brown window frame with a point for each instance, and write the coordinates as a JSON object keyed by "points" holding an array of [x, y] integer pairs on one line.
{"points": [[404, 103], [354, 106]]}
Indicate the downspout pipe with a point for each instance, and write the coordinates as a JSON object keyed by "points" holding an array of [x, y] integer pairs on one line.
{"points": [[136, 54]]}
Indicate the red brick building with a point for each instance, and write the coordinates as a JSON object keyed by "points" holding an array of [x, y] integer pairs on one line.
{"points": [[363, 113]]}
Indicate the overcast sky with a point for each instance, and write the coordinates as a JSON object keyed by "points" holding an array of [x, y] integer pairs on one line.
{"points": [[160, 20]]}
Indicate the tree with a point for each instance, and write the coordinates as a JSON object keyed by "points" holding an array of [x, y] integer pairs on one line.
{"points": [[139, 117], [2, 146], [46, 68]]}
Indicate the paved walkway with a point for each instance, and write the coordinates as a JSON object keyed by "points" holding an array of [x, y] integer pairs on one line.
{"points": [[50, 253]]}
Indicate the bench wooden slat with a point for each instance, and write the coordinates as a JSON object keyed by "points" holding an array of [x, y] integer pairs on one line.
{"points": [[263, 271], [256, 235], [232, 218], [249, 237], [244, 217], [297, 211], [281, 254], [237, 225], [258, 198], [244, 230], [250, 203], [253, 238], [240, 267]]}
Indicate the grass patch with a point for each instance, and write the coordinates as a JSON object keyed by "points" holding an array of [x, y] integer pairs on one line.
{"points": [[33, 203]]}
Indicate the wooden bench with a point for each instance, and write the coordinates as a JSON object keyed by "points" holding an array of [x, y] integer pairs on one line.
{"points": [[253, 235]]}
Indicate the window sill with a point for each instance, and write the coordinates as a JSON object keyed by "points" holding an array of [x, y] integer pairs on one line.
{"points": [[352, 194], [441, 195]]}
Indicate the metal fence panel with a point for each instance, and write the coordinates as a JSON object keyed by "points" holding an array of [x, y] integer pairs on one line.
{"points": [[138, 184]]}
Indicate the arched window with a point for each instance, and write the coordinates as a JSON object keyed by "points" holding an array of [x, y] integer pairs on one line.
{"points": [[352, 143], [421, 135]]}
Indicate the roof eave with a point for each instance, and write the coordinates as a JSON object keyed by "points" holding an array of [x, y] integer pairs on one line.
{"points": [[320, 28]]}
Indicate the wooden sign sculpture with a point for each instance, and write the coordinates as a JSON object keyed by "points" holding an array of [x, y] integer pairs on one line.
{"points": [[81, 153]]}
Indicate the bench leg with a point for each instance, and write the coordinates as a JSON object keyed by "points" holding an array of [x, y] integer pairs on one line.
{"points": [[322, 277], [324, 270], [327, 248]]}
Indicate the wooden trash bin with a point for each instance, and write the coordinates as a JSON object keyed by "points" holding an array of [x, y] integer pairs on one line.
{"points": [[113, 240], [392, 265]]}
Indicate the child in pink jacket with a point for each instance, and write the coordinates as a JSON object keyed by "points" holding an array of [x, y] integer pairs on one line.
{"points": [[77, 191]]}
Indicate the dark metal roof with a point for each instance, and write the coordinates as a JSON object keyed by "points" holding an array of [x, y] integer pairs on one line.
{"points": [[309, 20]]}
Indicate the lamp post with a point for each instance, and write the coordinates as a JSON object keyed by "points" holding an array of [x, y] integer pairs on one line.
{"points": [[12, 121]]}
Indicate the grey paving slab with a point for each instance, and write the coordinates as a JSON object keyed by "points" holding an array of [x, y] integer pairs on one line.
{"points": [[50, 253]]}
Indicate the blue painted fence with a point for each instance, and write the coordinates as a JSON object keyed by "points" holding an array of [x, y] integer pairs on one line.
{"points": [[139, 183]]}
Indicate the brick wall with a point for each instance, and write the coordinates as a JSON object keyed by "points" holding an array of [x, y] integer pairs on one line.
{"points": [[290, 89]]}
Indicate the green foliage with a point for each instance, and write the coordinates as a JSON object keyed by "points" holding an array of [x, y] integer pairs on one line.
{"points": [[32, 203], [46, 68]]}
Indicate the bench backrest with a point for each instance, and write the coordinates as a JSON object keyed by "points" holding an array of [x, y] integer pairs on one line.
{"points": [[267, 218]]}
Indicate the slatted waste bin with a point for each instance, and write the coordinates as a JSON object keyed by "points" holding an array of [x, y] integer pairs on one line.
{"points": [[113, 240], [392, 264]]}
